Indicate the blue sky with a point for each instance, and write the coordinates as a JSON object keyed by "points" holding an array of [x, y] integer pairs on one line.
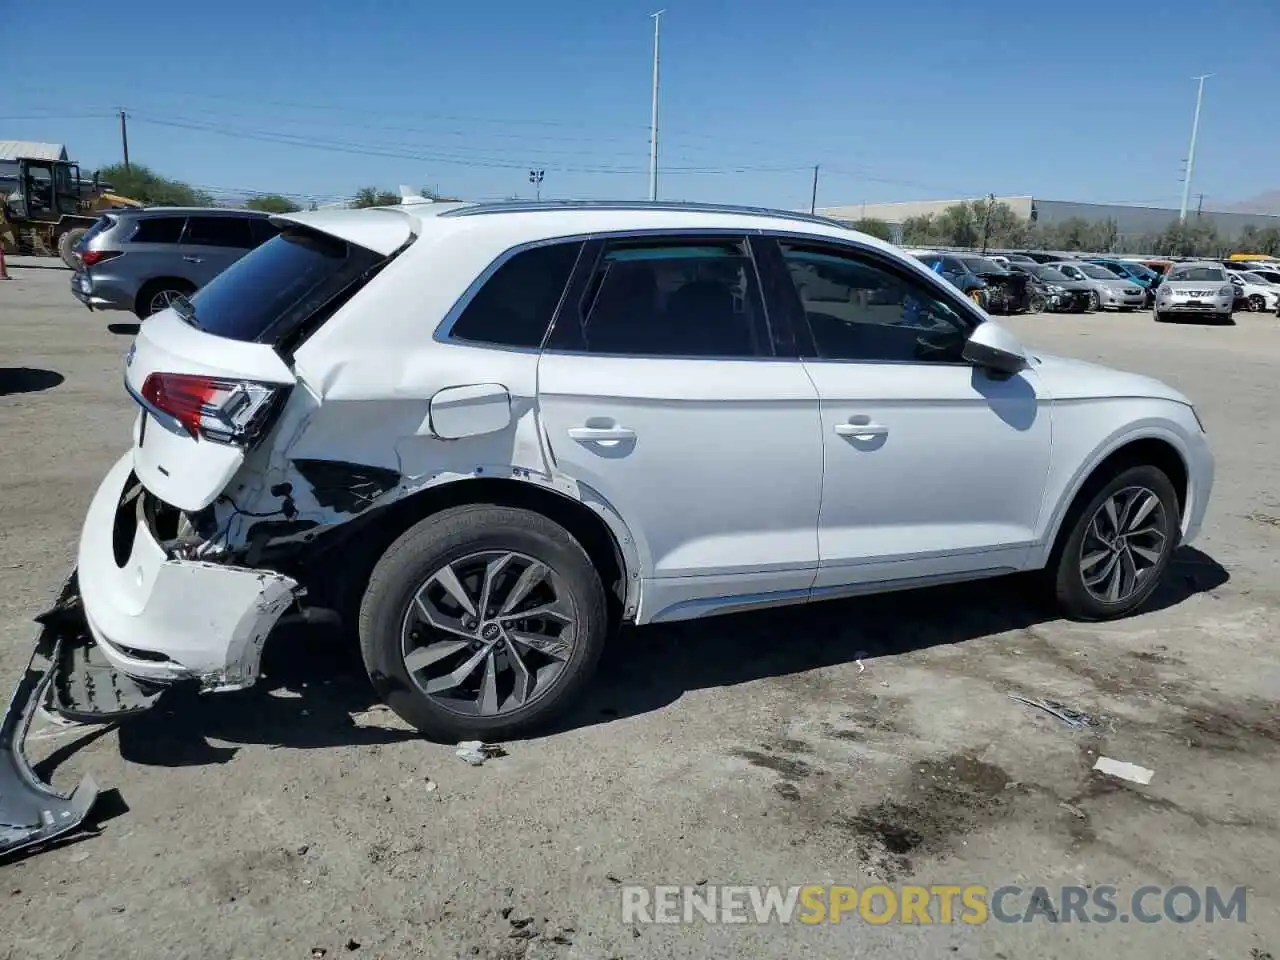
{"points": [[927, 98]]}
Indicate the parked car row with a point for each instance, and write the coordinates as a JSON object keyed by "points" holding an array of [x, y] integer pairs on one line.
{"points": [[1019, 283]]}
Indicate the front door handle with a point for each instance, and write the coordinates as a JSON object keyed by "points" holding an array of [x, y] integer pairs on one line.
{"points": [[861, 431], [194, 259], [597, 434]]}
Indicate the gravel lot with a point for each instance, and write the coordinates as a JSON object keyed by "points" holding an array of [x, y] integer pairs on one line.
{"points": [[752, 749]]}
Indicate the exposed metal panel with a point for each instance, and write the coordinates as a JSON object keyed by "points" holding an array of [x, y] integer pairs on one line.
{"points": [[15, 149]]}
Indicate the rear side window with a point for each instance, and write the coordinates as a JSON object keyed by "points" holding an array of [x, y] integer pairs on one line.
{"points": [[218, 232], [100, 226], [697, 298], [269, 292], [515, 306], [158, 230]]}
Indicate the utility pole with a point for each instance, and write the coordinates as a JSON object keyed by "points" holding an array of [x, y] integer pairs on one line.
{"points": [[535, 177], [1199, 204], [1191, 153], [124, 138], [653, 117], [813, 201]]}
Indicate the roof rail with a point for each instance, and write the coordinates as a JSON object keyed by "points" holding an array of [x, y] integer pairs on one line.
{"points": [[540, 206]]}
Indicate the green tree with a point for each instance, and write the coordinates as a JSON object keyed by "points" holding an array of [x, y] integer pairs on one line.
{"points": [[272, 203], [959, 226], [373, 197], [880, 229], [143, 183], [918, 231]]}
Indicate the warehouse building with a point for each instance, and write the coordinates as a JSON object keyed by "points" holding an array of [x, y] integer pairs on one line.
{"points": [[1130, 221]]}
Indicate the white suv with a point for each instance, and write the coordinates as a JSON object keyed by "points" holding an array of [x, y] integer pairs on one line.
{"points": [[494, 432]]}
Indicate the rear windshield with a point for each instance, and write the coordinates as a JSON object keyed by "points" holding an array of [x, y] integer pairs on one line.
{"points": [[268, 292], [1199, 274]]}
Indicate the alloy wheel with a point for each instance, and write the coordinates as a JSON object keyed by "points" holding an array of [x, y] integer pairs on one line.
{"points": [[162, 300], [488, 634], [1094, 300], [1123, 545], [1257, 303]]}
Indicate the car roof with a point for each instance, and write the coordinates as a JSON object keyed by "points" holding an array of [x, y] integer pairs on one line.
{"points": [[531, 221], [185, 211]]}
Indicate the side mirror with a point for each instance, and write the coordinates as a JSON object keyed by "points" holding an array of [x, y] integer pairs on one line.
{"points": [[992, 347]]}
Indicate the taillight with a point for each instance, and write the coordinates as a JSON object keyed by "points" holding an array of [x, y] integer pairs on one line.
{"points": [[91, 257], [211, 408]]}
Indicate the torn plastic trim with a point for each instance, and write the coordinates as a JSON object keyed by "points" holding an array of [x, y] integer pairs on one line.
{"points": [[32, 812]]}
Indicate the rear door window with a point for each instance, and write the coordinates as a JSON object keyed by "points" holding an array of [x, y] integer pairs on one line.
{"points": [[218, 232], [158, 230], [269, 292]]}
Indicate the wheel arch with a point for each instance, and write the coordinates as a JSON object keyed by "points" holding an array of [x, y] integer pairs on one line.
{"points": [[1158, 449], [155, 283], [597, 527]]}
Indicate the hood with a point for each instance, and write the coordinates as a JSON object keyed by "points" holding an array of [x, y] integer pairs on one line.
{"points": [[1069, 379], [1078, 286]]}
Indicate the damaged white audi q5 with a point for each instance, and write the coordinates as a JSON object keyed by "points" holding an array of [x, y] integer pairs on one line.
{"points": [[485, 435]]}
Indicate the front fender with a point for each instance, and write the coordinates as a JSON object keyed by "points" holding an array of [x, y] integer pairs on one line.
{"points": [[1179, 431]]}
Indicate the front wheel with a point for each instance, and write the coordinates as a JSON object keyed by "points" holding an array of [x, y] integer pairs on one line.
{"points": [[67, 245], [482, 622], [1117, 546], [1095, 302], [1257, 303], [1038, 304]]}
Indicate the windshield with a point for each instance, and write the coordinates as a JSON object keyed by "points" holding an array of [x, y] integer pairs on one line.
{"points": [[1096, 272], [269, 291], [982, 265], [1198, 275], [1051, 274]]}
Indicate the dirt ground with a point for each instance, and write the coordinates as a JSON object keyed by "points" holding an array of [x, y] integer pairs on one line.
{"points": [[847, 743]]}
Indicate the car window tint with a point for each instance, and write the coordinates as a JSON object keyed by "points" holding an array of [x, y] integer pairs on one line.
{"points": [[1198, 275], [859, 309], [515, 306], [218, 232], [261, 230], [674, 299], [158, 230]]}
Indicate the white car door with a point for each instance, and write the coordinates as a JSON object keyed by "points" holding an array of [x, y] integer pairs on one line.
{"points": [[660, 391], [933, 468]]}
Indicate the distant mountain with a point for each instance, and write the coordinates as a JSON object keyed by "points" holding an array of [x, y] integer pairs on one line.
{"points": [[1268, 203]]}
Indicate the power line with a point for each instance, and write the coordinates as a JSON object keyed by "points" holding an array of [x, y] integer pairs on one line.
{"points": [[359, 149]]}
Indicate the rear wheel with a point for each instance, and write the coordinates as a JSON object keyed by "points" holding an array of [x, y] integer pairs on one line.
{"points": [[66, 246], [482, 622], [1116, 544], [160, 294]]}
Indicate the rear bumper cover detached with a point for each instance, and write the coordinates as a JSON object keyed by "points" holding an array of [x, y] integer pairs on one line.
{"points": [[164, 620]]}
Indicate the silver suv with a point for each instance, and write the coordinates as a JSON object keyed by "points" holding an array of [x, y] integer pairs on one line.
{"points": [[140, 260]]}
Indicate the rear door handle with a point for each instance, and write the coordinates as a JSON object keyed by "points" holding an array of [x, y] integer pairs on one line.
{"points": [[861, 431], [596, 434], [194, 259]]}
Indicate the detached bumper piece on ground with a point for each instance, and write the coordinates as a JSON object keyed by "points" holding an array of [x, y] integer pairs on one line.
{"points": [[68, 678]]}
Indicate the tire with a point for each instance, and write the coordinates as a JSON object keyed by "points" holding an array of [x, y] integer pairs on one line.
{"points": [[978, 297], [151, 295], [1257, 303], [1095, 302], [390, 620], [1158, 317], [1077, 543], [1038, 304], [66, 246]]}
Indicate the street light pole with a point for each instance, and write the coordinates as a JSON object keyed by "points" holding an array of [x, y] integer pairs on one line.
{"points": [[1191, 153], [653, 116]]}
